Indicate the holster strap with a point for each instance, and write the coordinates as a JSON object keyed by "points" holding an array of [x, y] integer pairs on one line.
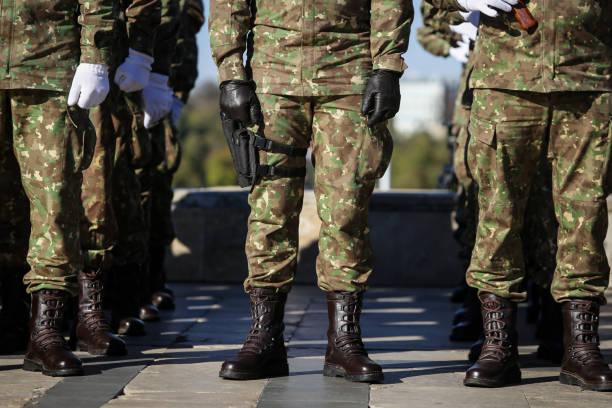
{"points": [[274, 147], [280, 171]]}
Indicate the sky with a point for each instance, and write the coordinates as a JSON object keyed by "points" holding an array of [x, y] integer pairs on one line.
{"points": [[421, 64]]}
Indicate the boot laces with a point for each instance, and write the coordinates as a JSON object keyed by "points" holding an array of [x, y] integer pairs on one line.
{"points": [[350, 342], [496, 346], [585, 347], [49, 333], [259, 338], [94, 318]]}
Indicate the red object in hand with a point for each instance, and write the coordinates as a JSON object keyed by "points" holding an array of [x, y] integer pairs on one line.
{"points": [[523, 16]]}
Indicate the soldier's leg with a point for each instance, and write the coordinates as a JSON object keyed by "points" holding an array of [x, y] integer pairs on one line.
{"points": [[350, 157], [48, 140], [14, 238], [129, 251], [507, 135], [162, 228], [540, 247], [272, 240], [580, 148], [98, 233]]}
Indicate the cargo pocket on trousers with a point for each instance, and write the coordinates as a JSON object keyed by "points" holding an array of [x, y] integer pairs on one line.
{"points": [[82, 136], [481, 150]]}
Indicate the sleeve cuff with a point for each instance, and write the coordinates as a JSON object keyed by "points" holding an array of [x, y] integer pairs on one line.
{"points": [[393, 62], [232, 69], [94, 55]]}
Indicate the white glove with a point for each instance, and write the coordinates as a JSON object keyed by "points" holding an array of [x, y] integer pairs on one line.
{"points": [[487, 6], [156, 99], [177, 109], [89, 86], [133, 74], [461, 51], [466, 30]]}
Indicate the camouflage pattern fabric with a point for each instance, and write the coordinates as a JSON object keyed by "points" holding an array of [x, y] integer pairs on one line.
{"points": [[42, 42], [309, 48], [49, 141], [131, 243], [137, 21], [184, 66], [435, 35], [510, 133], [349, 157], [166, 36], [573, 53]]}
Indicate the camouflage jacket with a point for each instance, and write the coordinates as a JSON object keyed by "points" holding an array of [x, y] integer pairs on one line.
{"points": [[184, 68], [42, 42], [435, 35], [570, 50], [309, 47], [166, 36], [137, 22]]}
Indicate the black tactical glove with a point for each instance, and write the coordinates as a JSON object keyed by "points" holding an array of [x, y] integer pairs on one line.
{"points": [[381, 100], [239, 102]]}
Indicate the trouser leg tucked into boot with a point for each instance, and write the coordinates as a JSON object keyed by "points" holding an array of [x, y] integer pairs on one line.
{"points": [[162, 296], [263, 354], [583, 363], [498, 362], [92, 333], [346, 355], [48, 351]]}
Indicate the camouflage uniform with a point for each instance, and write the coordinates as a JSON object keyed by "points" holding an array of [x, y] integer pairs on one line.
{"points": [[183, 74], [536, 94], [45, 145], [111, 119], [311, 62]]}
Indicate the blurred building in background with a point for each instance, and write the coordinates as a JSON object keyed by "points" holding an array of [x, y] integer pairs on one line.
{"points": [[426, 107]]}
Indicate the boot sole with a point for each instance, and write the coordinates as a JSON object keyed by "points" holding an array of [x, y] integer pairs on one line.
{"points": [[570, 379], [110, 351], [511, 377], [29, 365], [330, 370], [245, 375]]}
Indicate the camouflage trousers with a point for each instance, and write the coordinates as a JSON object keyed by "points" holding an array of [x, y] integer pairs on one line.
{"points": [[44, 146], [162, 228], [349, 157], [511, 134], [98, 224]]}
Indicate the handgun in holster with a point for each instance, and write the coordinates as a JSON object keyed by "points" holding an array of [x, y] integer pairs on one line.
{"points": [[244, 147]]}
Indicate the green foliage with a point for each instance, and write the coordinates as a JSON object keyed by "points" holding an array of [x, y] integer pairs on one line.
{"points": [[206, 160], [417, 161]]}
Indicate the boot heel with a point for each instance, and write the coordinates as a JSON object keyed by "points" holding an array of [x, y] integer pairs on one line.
{"points": [[31, 366]]}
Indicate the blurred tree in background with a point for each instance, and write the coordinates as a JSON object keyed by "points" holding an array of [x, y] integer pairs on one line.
{"points": [[206, 162]]}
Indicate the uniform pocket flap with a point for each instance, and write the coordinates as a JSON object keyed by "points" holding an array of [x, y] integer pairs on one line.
{"points": [[482, 130]]}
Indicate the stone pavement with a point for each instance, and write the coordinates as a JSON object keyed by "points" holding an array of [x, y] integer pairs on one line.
{"points": [[406, 330]]}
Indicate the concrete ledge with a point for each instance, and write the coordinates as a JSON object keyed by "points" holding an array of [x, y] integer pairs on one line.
{"points": [[411, 237]]}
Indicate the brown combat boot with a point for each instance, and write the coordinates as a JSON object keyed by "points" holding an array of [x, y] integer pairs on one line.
{"points": [[263, 354], [92, 333], [48, 351], [583, 363], [162, 297], [126, 301], [148, 312], [498, 363], [346, 355]]}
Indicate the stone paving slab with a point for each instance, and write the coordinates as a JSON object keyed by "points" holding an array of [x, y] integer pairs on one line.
{"points": [[406, 330]]}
